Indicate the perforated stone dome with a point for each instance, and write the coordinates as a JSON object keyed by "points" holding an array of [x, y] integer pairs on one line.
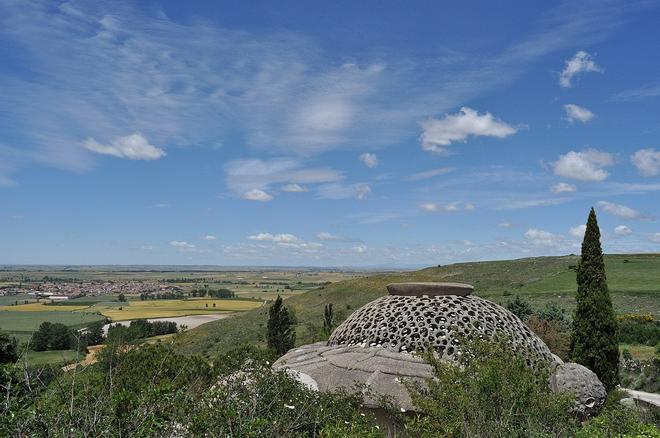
{"points": [[436, 318]]}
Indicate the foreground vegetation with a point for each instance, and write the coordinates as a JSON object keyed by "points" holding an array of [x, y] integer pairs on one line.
{"points": [[155, 391]]}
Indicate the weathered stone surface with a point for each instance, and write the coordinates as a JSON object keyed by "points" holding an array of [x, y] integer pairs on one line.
{"points": [[589, 392], [419, 289], [374, 371], [401, 323]]}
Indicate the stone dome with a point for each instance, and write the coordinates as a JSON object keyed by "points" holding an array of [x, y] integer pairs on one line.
{"points": [[415, 317]]}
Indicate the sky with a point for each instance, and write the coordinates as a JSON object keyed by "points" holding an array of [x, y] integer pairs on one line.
{"points": [[310, 133]]}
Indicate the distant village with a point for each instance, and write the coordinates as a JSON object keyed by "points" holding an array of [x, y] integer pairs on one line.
{"points": [[61, 291]]}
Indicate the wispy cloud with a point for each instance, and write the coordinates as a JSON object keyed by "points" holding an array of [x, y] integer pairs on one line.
{"points": [[369, 159], [619, 210], [133, 147], [643, 92], [119, 70], [647, 161], [429, 173], [563, 187]]}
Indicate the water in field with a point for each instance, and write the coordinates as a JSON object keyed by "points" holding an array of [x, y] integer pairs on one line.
{"points": [[190, 321]]}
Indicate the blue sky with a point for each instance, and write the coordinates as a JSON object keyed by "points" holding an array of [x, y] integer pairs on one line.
{"points": [[371, 133]]}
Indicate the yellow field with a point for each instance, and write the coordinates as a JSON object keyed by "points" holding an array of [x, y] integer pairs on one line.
{"points": [[172, 308], [40, 307]]}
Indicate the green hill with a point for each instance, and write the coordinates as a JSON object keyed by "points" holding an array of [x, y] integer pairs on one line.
{"points": [[634, 282]]}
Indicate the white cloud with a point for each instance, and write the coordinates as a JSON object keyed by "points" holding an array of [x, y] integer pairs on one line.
{"points": [[622, 230], [563, 187], [133, 147], [359, 249], [439, 133], [181, 244], [362, 191], [257, 195], [506, 225], [578, 232], [340, 191], [584, 166], [544, 238], [647, 161], [329, 237], [370, 160], [294, 188], [278, 238], [209, 237], [429, 173], [619, 210], [448, 207], [578, 113], [582, 62], [257, 176], [655, 238]]}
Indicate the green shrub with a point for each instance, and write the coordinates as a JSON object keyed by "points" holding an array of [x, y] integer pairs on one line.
{"points": [[639, 331], [493, 393], [616, 420], [519, 307]]}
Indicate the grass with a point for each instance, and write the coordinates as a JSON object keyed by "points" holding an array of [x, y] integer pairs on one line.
{"points": [[634, 283], [173, 308], [62, 357], [41, 307], [28, 322], [639, 352]]}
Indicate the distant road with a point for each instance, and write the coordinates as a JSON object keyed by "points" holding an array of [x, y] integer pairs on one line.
{"points": [[647, 397]]}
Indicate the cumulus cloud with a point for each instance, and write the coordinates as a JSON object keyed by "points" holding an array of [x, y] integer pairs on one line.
{"points": [[257, 195], [432, 207], [181, 244], [577, 113], [210, 237], [439, 133], [543, 238], [133, 147], [277, 238], [582, 62], [429, 173], [294, 188], [370, 160], [584, 166], [647, 161], [578, 232], [563, 187], [655, 238], [619, 210], [622, 230]]}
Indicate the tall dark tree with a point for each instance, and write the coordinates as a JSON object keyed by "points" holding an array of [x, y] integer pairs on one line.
{"points": [[281, 333], [594, 337], [328, 319], [8, 349]]}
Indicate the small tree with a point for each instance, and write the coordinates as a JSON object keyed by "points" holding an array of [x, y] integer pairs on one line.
{"points": [[328, 319], [8, 349], [281, 335], [519, 307], [121, 298], [594, 338]]}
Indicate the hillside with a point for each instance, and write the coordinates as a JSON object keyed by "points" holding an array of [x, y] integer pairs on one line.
{"points": [[634, 282]]}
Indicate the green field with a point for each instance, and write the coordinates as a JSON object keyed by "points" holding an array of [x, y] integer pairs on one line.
{"points": [[634, 282], [21, 323], [51, 357]]}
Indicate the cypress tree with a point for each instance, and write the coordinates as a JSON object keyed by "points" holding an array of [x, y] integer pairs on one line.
{"points": [[281, 336], [594, 337]]}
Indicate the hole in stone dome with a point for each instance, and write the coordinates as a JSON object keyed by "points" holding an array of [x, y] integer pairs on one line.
{"points": [[450, 351]]}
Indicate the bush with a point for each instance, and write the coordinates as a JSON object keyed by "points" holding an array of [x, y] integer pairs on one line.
{"points": [[519, 307], [493, 393], [553, 333], [616, 420], [52, 336], [639, 329]]}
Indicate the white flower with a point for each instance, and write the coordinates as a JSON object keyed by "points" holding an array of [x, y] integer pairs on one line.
{"points": [[289, 406]]}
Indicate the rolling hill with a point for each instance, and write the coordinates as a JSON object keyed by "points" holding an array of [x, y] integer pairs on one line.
{"points": [[634, 282]]}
